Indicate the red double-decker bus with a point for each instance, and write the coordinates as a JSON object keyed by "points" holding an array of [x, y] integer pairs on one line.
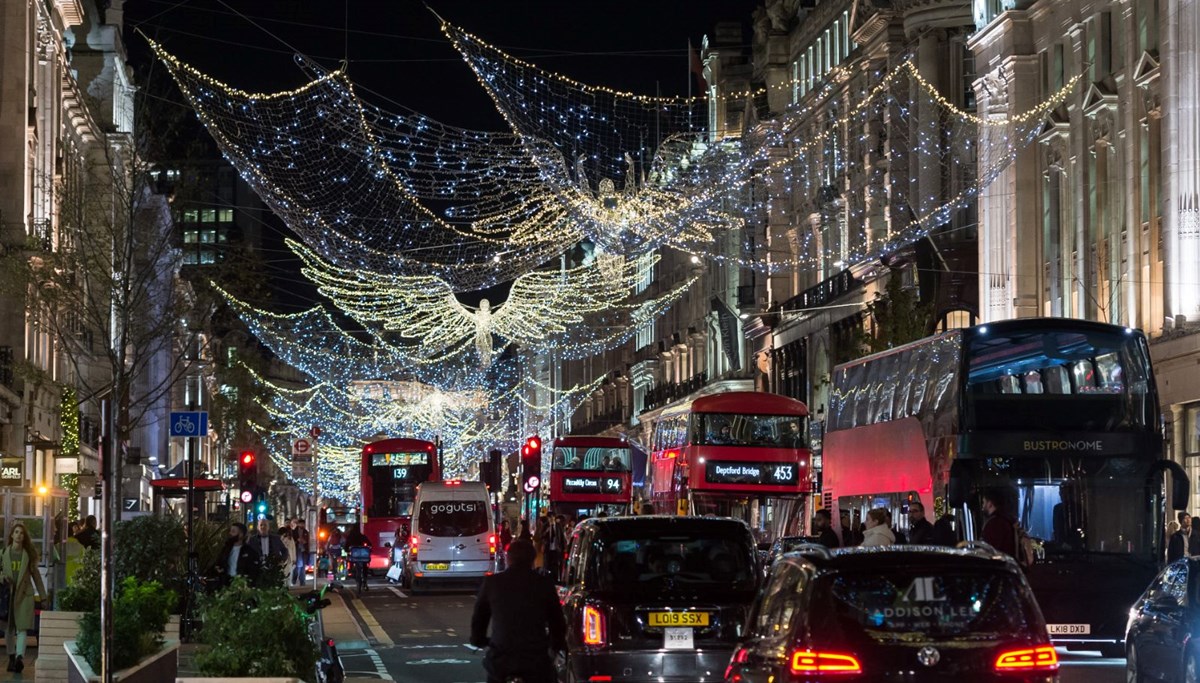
{"points": [[737, 454], [391, 471], [590, 474]]}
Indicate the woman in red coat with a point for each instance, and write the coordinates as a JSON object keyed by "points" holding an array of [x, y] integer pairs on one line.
{"points": [[20, 576]]}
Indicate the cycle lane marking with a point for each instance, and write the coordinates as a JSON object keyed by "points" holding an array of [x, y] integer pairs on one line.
{"points": [[381, 637]]}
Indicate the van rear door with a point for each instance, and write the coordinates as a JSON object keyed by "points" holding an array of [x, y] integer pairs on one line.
{"points": [[454, 531]]}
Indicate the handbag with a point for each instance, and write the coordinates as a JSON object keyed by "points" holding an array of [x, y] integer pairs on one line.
{"points": [[393, 573]]}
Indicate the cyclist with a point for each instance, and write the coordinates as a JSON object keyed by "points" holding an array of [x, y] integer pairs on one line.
{"points": [[526, 620], [333, 548], [358, 547]]}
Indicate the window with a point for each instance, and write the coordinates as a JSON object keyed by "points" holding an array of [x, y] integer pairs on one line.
{"points": [[189, 236], [225, 215], [208, 216], [780, 601], [1191, 437], [191, 216]]}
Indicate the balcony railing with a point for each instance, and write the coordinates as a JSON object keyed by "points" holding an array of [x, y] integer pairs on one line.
{"points": [[672, 391], [601, 422]]}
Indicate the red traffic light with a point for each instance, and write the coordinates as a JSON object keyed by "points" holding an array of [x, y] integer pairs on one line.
{"points": [[534, 443], [247, 458]]}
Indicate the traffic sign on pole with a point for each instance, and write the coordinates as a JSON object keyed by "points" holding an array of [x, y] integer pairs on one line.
{"points": [[189, 423]]}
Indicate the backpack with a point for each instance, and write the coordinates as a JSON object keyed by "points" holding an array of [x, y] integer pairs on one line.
{"points": [[1026, 553]]}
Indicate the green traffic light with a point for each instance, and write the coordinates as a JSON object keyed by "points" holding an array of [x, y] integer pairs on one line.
{"points": [[262, 507]]}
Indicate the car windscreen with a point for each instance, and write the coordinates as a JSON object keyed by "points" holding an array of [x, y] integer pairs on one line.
{"points": [[452, 518], [678, 561], [893, 605]]}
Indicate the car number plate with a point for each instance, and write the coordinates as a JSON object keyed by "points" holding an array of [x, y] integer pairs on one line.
{"points": [[678, 639], [1069, 629], [679, 618], [437, 566]]}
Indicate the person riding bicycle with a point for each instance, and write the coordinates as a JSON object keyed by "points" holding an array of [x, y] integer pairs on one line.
{"points": [[526, 620], [358, 547]]}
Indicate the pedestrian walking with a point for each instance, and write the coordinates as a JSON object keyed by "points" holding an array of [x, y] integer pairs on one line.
{"points": [[554, 543], [289, 562], [877, 532], [1000, 529], [1179, 541], [520, 608], [303, 552], [238, 558], [20, 577], [269, 546], [823, 529], [920, 531]]}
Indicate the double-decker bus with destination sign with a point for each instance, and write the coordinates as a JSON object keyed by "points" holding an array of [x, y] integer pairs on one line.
{"points": [[391, 471], [589, 475], [740, 454]]}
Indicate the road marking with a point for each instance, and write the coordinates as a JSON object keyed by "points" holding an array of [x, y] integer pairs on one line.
{"points": [[397, 591], [380, 670], [424, 662], [377, 631]]}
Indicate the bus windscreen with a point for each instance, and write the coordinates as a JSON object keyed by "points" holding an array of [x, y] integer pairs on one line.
{"points": [[394, 479], [582, 458], [764, 431]]}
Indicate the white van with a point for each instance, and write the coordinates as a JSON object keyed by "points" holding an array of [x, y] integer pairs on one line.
{"points": [[453, 534]]}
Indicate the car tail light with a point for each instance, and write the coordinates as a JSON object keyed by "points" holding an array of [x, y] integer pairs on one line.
{"points": [[593, 626], [599, 679], [813, 662], [740, 656], [415, 542], [1041, 658], [492, 543]]}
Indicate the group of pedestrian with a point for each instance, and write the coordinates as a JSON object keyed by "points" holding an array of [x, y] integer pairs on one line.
{"points": [[878, 530], [249, 555], [1183, 537]]}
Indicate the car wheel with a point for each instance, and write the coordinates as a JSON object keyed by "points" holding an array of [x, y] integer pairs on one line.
{"points": [[1132, 675]]}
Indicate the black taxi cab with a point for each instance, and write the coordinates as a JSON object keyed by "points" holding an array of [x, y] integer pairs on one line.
{"points": [[895, 613], [656, 598]]}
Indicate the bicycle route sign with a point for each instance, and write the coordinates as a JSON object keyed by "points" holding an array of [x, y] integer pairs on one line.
{"points": [[192, 423]]}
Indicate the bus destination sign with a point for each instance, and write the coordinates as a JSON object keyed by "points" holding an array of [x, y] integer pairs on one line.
{"points": [[394, 459], [577, 484], [763, 473]]}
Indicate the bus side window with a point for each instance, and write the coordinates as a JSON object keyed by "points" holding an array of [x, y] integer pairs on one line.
{"points": [[1010, 385], [1055, 380], [1033, 382], [1083, 376]]}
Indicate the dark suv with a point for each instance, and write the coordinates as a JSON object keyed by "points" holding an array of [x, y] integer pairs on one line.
{"points": [[656, 598], [911, 613]]}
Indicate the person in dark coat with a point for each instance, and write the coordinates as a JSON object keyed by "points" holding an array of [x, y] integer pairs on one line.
{"points": [[1000, 530], [526, 621], [238, 558], [823, 529], [920, 531], [89, 536], [269, 546], [1177, 543]]}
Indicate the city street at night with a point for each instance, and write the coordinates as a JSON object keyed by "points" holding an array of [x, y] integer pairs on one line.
{"points": [[423, 639]]}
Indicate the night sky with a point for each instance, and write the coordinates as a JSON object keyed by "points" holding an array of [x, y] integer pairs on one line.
{"points": [[399, 59]]}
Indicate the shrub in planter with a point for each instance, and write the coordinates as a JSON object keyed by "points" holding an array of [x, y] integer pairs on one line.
{"points": [[151, 548], [140, 614], [83, 593], [252, 631]]}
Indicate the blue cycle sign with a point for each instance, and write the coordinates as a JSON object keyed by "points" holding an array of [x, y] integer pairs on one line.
{"points": [[194, 423]]}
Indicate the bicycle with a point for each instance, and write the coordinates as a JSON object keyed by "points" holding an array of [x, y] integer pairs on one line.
{"points": [[360, 560], [329, 665]]}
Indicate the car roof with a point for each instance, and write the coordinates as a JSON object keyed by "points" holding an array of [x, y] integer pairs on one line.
{"points": [[656, 524], [974, 556]]}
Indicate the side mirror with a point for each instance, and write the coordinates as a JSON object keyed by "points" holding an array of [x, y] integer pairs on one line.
{"points": [[1179, 482], [958, 490]]}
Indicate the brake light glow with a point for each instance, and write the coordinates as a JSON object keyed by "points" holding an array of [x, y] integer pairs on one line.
{"points": [[1041, 658], [492, 543], [739, 657], [599, 679], [453, 482], [593, 626], [415, 543], [808, 661]]}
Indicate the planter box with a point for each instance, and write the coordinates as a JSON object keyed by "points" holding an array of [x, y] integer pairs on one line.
{"points": [[162, 666], [56, 628]]}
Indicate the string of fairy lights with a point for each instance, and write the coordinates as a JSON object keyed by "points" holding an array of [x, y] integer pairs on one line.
{"points": [[398, 215]]}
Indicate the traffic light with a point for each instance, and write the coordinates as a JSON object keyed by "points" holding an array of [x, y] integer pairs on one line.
{"points": [[495, 470], [247, 475], [261, 508], [531, 463]]}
